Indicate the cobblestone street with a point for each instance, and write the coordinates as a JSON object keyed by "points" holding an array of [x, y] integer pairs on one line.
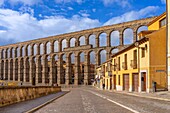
{"points": [[90, 100]]}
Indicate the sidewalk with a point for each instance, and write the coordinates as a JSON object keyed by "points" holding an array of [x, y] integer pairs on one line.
{"points": [[25, 106], [161, 95]]}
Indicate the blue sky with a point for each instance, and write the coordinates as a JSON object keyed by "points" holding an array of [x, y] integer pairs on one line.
{"points": [[22, 20]]}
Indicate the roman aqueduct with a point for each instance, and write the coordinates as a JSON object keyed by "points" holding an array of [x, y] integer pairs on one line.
{"points": [[40, 61]]}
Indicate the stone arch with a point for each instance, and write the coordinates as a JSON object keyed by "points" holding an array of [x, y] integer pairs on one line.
{"points": [[35, 49], [21, 69], [56, 46], [41, 49], [128, 36], [18, 51], [1, 53], [72, 42], [16, 69], [40, 58], [82, 40], [6, 70], [63, 44], [21, 52], [63, 68], [9, 53], [92, 40], [56, 59], [54, 68], [2, 70], [4, 53], [102, 56], [81, 61], [113, 51], [29, 50], [48, 49], [114, 38], [11, 69], [91, 54], [33, 60], [71, 64], [22, 49], [102, 39], [91, 67], [141, 28], [13, 52], [46, 68], [26, 50], [27, 69]]}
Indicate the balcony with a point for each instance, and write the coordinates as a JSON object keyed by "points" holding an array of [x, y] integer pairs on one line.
{"points": [[133, 64], [109, 73], [124, 65], [118, 67], [114, 67]]}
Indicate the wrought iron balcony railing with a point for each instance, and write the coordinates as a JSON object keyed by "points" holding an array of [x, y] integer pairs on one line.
{"points": [[133, 64], [124, 65]]}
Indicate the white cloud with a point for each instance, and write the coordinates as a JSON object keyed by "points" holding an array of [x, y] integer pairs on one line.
{"points": [[94, 10], [122, 3], [68, 1], [1, 2], [24, 26], [25, 2], [84, 13], [70, 8], [163, 1], [133, 15]]}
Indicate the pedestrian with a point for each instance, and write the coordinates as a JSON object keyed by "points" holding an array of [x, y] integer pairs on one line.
{"points": [[103, 86]]}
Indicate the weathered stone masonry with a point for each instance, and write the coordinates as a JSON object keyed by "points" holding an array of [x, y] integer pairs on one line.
{"points": [[30, 61]]}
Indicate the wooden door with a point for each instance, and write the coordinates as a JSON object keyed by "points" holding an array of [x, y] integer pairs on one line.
{"points": [[114, 81], [126, 82], [110, 82], [135, 82]]}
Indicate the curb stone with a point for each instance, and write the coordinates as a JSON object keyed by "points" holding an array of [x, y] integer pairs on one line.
{"points": [[46, 103]]}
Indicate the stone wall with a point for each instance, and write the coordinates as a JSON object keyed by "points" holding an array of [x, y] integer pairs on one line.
{"points": [[10, 95]]}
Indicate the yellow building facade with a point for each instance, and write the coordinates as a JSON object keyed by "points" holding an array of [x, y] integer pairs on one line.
{"points": [[142, 65]]}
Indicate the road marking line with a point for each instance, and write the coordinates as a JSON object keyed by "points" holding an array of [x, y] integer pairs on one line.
{"points": [[121, 105]]}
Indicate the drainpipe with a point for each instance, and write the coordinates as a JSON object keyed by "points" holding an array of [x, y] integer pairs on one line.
{"points": [[168, 42]]}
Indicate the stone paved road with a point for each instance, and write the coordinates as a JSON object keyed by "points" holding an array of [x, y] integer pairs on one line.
{"points": [[27, 105], [90, 100]]}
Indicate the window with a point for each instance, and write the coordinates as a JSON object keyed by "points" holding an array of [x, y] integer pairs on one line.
{"points": [[114, 64], [143, 52], [119, 64], [135, 55], [125, 60], [106, 68], [162, 22], [119, 79]]}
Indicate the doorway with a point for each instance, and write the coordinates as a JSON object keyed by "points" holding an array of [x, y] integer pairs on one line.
{"points": [[143, 81], [114, 82]]}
